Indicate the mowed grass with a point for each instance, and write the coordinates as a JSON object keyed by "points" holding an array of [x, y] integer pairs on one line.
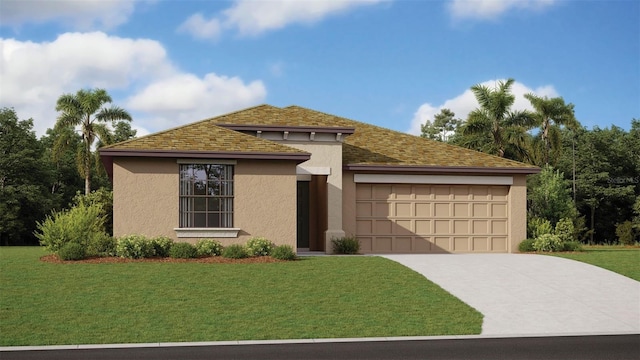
{"points": [[622, 260], [321, 297]]}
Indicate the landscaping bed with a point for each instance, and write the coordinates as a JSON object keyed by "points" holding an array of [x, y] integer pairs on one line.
{"points": [[52, 258]]}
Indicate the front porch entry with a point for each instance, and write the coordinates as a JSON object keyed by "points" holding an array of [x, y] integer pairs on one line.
{"points": [[312, 213]]}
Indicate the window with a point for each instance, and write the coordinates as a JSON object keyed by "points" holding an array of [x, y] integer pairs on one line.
{"points": [[206, 196]]}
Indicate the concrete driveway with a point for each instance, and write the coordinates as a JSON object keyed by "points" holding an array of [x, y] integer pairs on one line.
{"points": [[525, 294]]}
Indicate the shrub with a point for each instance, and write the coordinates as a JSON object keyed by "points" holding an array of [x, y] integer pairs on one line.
{"points": [[183, 250], [565, 230], [134, 247], [283, 252], [346, 245], [76, 225], [258, 246], [624, 232], [208, 247], [526, 246], [572, 246], [549, 243], [537, 227], [161, 245], [101, 244], [72, 251], [103, 198], [235, 251]]}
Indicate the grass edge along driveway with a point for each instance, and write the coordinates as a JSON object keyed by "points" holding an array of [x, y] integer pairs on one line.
{"points": [[321, 297], [619, 259]]}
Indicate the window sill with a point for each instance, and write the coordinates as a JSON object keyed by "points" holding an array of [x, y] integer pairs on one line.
{"points": [[207, 232]]}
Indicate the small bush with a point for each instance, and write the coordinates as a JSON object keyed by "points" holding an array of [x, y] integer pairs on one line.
{"points": [[548, 243], [183, 250], [72, 251], [572, 246], [537, 227], [134, 247], [161, 245], [283, 252], [346, 245], [624, 232], [101, 244], [208, 247], [526, 246], [235, 251], [76, 225], [565, 230], [259, 246]]}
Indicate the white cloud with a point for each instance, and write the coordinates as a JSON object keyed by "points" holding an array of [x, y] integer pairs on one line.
{"points": [[255, 17], [82, 14], [491, 9], [184, 98], [33, 76], [466, 102], [201, 28]]}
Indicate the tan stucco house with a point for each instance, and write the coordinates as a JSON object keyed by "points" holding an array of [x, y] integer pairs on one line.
{"points": [[302, 177]]}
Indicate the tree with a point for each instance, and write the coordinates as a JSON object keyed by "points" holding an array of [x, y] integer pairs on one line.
{"points": [[65, 182], [605, 177], [444, 123], [549, 196], [495, 129], [85, 110], [550, 114], [24, 179]]}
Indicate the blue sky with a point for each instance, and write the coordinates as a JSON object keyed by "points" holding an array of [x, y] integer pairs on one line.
{"points": [[390, 63]]}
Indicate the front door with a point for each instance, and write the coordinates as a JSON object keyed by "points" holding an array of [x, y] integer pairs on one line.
{"points": [[303, 215]]}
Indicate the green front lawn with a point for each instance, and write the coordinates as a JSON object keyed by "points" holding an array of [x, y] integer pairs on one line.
{"points": [[322, 297], [623, 260]]}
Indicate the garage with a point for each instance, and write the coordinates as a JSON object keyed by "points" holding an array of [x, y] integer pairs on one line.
{"points": [[432, 218]]}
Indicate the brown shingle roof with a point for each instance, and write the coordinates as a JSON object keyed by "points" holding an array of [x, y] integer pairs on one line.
{"points": [[202, 136], [369, 145]]}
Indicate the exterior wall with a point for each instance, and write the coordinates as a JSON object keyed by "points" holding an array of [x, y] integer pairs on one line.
{"points": [[265, 201], [327, 154], [146, 199], [348, 203], [517, 212]]}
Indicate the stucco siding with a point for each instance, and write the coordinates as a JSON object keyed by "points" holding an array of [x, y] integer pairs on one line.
{"points": [[145, 197], [517, 212], [265, 201]]}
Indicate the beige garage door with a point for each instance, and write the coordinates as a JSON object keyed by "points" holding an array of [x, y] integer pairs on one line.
{"points": [[431, 218]]}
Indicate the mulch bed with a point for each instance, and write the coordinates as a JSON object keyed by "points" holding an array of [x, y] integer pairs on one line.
{"points": [[52, 258]]}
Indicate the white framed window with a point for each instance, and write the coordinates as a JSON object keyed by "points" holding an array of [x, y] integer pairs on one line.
{"points": [[206, 196]]}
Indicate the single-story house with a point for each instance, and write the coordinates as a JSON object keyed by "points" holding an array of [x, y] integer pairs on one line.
{"points": [[302, 177]]}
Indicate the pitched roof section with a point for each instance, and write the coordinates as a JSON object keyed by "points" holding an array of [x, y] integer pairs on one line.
{"points": [[368, 148], [202, 136], [371, 146]]}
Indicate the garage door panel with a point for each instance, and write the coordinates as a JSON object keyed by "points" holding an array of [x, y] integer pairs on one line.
{"points": [[364, 227], [480, 244], [441, 210], [431, 218], [499, 244], [461, 244], [382, 244], [403, 227]]}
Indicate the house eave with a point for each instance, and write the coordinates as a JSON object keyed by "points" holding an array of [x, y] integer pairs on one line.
{"points": [[107, 156], [440, 169]]}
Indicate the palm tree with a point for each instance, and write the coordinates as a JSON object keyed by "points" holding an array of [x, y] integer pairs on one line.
{"points": [[550, 114], [493, 128], [85, 110]]}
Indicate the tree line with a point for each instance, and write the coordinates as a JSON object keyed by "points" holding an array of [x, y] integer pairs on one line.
{"points": [[38, 176], [598, 169], [590, 176]]}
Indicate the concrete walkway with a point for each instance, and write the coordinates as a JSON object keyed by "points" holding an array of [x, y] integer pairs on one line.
{"points": [[525, 294]]}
